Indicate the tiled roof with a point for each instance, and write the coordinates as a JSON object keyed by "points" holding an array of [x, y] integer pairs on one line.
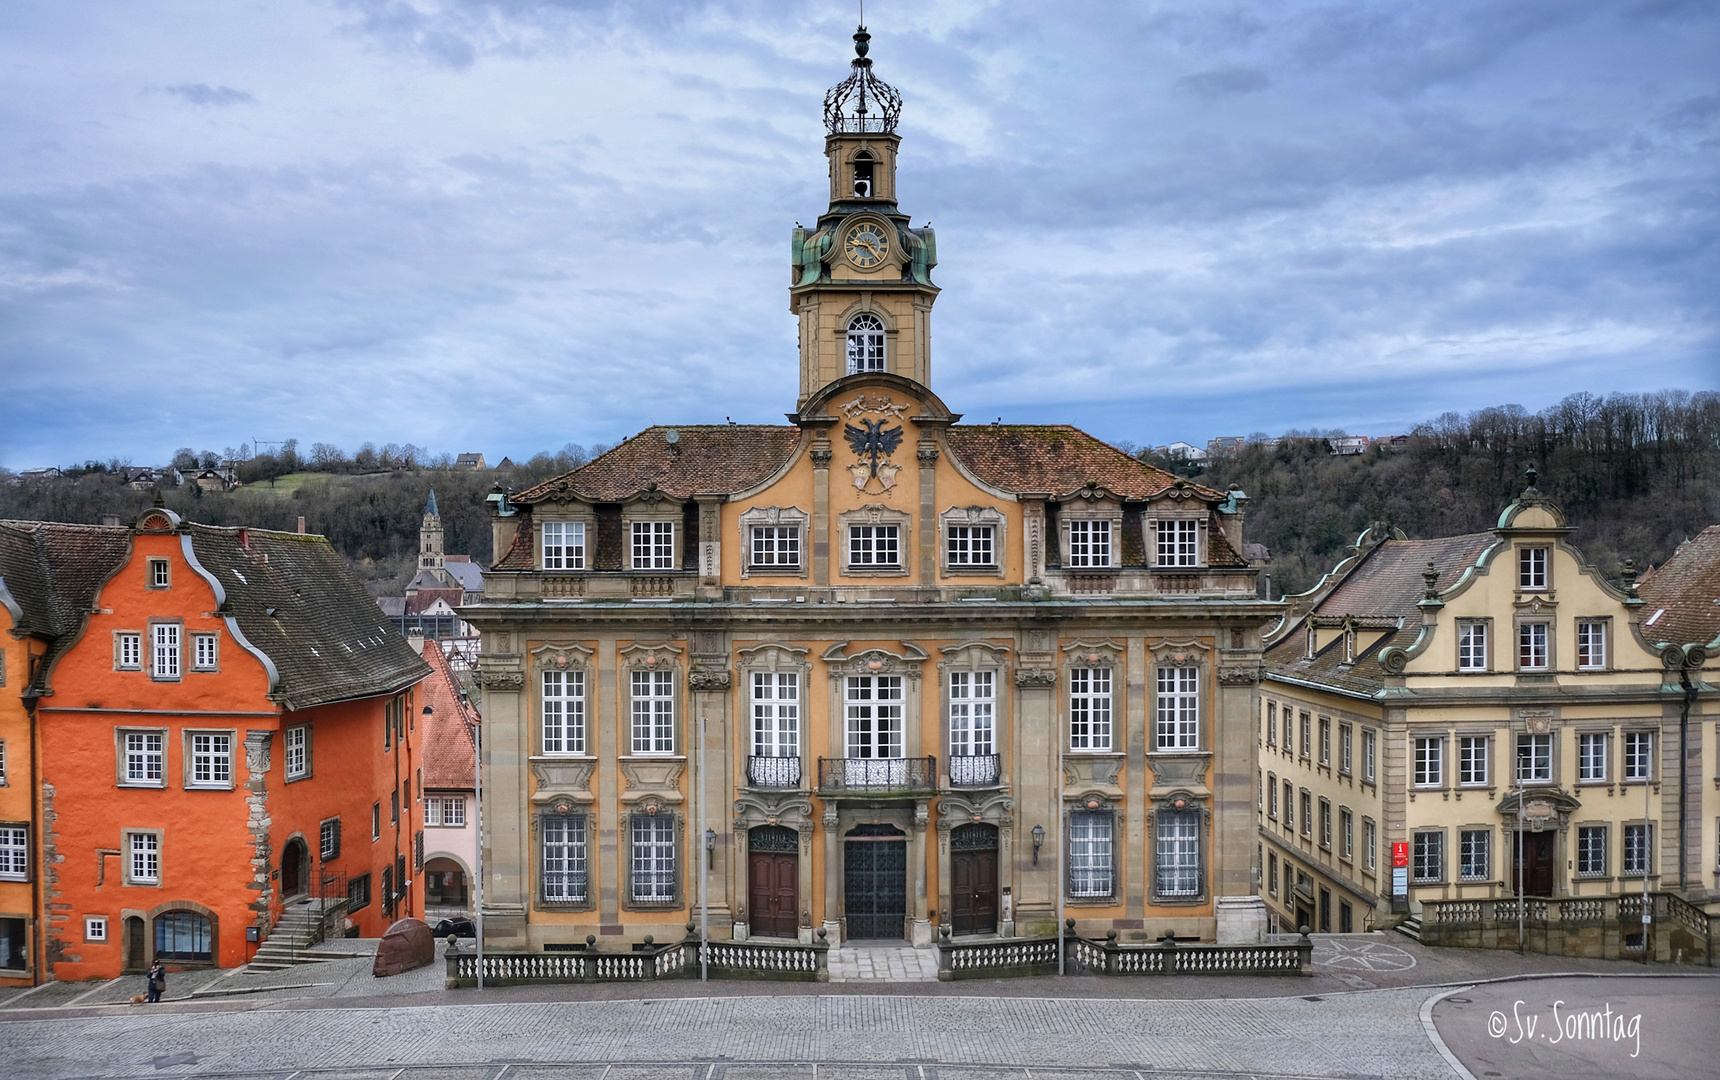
{"points": [[706, 458], [519, 553], [1385, 584], [1686, 590], [448, 747], [1055, 458], [53, 571], [426, 598], [468, 574], [295, 598]]}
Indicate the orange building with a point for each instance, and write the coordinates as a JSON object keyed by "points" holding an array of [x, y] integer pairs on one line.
{"points": [[229, 732]]}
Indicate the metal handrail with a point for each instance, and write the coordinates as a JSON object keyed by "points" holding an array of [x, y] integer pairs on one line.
{"points": [[874, 775], [773, 772]]}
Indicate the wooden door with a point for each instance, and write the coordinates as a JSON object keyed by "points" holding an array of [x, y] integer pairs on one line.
{"points": [[1535, 849], [773, 882], [973, 879], [293, 869], [134, 957]]}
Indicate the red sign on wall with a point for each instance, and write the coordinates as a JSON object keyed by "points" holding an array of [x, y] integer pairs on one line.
{"points": [[1400, 853]]}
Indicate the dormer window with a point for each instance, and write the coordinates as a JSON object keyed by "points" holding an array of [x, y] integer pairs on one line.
{"points": [[1532, 568], [863, 175], [1089, 544], [865, 343]]}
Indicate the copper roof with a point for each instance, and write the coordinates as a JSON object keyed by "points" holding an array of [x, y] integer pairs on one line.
{"points": [[1685, 590], [449, 750], [1054, 458], [705, 458]]}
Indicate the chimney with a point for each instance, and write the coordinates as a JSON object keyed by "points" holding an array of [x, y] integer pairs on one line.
{"points": [[110, 519], [415, 639], [301, 524]]}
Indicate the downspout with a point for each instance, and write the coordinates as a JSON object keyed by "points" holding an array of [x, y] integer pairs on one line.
{"points": [[36, 836]]}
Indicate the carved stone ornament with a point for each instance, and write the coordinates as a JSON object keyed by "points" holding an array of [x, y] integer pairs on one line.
{"points": [[708, 679], [1026, 677], [1537, 721], [1394, 660], [926, 457], [503, 680], [1238, 676], [875, 661], [880, 405], [820, 459], [658, 656]]}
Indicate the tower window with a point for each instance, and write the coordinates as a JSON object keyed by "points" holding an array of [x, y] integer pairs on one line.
{"points": [[863, 176], [865, 344]]}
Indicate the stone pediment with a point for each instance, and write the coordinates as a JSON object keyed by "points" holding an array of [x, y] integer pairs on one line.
{"points": [[1542, 809]]}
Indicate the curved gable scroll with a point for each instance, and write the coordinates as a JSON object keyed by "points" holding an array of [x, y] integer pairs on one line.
{"points": [[1179, 653], [773, 656], [651, 655], [561, 655], [968, 655]]}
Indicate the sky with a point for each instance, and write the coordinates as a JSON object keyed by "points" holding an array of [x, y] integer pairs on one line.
{"points": [[507, 225]]}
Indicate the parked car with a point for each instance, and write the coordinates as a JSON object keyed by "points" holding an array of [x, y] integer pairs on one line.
{"points": [[460, 927]]}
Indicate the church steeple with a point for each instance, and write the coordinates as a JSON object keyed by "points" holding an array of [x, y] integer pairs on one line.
{"points": [[862, 283], [430, 556]]}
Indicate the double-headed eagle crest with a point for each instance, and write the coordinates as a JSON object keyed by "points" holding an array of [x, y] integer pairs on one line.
{"points": [[872, 440]]}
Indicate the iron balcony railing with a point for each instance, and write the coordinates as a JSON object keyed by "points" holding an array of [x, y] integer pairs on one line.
{"points": [[877, 775], [773, 772], [974, 770]]}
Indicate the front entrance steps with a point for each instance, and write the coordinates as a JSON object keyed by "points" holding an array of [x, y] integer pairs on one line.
{"points": [[295, 937], [883, 963], [1411, 927]]}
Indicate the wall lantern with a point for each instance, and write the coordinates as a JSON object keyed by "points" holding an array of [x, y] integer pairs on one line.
{"points": [[1038, 840], [710, 849]]}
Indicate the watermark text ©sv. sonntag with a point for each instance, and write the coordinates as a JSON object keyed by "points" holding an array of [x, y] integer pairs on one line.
{"points": [[1567, 1025]]}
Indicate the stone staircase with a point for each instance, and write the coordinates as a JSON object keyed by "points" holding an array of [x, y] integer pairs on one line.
{"points": [[295, 937], [1410, 927]]}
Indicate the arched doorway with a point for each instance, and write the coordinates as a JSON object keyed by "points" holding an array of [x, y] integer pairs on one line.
{"points": [[444, 884], [875, 883], [973, 879], [295, 858], [135, 957], [773, 882]]}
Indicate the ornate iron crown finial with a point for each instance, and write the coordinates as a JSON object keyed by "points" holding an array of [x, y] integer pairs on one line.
{"points": [[862, 102]]}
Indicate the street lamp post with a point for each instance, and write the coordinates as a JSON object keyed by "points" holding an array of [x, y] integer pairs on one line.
{"points": [[705, 872]]}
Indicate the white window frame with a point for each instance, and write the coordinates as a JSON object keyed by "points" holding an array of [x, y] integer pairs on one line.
{"points": [[1534, 569], [1346, 749], [205, 652], [1177, 709], [654, 869], [1092, 854], [1475, 855], [128, 651], [561, 712], [972, 546], [1534, 758], [95, 928], [1472, 764], [1637, 859], [1090, 709], [160, 574], [328, 839], [1346, 833], [1370, 745], [14, 853], [1176, 863], [166, 651], [1370, 844], [652, 544], [143, 858], [1272, 796], [297, 745], [1428, 761], [774, 547], [866, 349], [776, 714], [1591, 852], [564, 545], [973, 713], [875, 546], [1535, 646], [1089, 544], [652, 699], [874, 711], [139, 759], [209, 757], [1638, 754], [1472, 646], [562, 859], [1592, 747], [1178, 542], [1591, 644]]}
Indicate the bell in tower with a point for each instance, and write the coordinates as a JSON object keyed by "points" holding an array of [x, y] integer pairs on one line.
{"points": [[862, 284]]}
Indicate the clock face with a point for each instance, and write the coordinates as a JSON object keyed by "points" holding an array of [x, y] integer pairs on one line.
{"points": [[866, 245]]}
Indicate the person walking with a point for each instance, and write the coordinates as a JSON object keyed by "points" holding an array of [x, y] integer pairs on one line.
{"points": [[157, 982]]}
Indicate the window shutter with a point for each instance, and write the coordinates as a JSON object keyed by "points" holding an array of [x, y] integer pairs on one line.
{"points": [[336, 838], [418, 850]]}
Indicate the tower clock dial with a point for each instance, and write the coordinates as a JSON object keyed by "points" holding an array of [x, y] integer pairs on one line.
{"points": [[866, 244]]}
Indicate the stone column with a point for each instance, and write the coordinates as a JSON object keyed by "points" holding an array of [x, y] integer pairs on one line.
{"points": [[927, 455], [606, 809], [506, 837], [1135, 794], [1035, 742], [820, 538], [922, 933], [832, 872]]}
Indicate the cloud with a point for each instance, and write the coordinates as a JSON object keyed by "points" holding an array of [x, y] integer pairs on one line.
{"points": [[512, 224], [204, 95]]}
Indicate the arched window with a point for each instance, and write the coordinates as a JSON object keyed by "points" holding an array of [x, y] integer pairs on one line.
{"points": [[183, 935], [865, 344], [863, 175]]}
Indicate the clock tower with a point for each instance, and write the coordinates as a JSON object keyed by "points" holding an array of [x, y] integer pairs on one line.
{"points": [[862, 285]]}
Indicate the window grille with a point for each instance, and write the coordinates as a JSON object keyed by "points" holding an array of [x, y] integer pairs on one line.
{"points": [[1428, 856], [1591, 851], [1636, 848], [1475, 855], [1090, 853], [653, 859], [1177, 868]]}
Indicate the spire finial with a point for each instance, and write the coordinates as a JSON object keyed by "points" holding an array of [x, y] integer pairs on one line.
{"points": [[862, 102], [1533, 474], [1430, 582]]}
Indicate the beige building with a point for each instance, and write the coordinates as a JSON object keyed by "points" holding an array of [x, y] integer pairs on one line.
{"points": [[1490, 710], [874, 671]]}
